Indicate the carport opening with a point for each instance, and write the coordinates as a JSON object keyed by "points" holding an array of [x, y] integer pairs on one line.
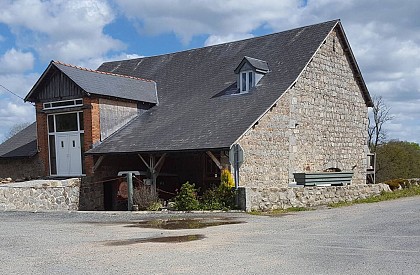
{"points": [[178, 168]]}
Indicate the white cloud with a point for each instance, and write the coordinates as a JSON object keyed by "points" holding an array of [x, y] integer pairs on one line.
{"points": [[12, 109], [215, 17], [93, 63], [13, 112], [70, 31], [14, 61], [19, 84]]}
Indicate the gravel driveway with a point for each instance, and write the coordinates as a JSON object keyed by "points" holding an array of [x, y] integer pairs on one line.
{"points": [[380, 238]]}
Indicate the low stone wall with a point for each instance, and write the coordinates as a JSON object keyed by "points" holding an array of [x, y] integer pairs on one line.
{"points": [[62, 195], [266, 199]]}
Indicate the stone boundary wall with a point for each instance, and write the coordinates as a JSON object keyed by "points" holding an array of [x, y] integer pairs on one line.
{"points": [[272, 198], [40, 195]]}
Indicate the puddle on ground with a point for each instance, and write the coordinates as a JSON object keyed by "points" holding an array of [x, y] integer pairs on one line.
{"points": [[169, 239], [175, 224]]}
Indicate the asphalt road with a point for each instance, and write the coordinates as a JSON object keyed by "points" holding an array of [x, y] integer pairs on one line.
{"points": [[380, 238]]}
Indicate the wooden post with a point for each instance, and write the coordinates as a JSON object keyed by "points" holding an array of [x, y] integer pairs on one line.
{"points": [[154, 168]]}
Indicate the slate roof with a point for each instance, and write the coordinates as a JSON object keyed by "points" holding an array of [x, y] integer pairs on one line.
{"points": [[23, 144], [193, 113], [259, 65], [107, 84]]}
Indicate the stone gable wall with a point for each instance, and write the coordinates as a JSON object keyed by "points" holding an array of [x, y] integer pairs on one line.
{"points": [[319, 123]]}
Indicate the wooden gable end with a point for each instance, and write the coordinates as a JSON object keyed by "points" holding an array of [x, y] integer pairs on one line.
{"points": [[54, 85]]}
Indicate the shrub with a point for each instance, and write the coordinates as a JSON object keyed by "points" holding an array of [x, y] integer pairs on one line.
{"points": [[145, 198], [186, 199], [211, 200], [226, 178], [221, 197]]}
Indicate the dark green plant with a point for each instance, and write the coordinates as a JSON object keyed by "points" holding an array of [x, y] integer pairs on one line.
{"points": [[220, 197], [227, 196], [397, 159], [186, 199], [210, 200]]}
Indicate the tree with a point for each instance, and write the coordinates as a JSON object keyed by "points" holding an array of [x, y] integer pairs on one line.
{"points": [[397, 159], [380, 115], [16, 129]]}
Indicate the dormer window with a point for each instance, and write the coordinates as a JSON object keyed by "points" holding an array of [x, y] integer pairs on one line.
{"points": [[250, 71], [246, 81]]}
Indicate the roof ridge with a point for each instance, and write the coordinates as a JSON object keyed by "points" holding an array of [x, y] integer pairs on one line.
{"points": [[100, 72], [225, 43]]}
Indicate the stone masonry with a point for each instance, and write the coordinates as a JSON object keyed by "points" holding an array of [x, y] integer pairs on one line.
{"points": [[40, 195], [319, 123], [272, 198], [91, 194], [30, 167]]}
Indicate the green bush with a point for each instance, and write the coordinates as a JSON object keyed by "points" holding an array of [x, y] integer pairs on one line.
{"points": [[397, 159], [186, 199], [221, 197], [210, 200]]}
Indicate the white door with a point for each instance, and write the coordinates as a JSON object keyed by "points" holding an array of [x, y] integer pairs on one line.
{"points": [[69, 162]]}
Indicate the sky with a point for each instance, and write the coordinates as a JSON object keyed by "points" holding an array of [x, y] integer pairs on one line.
{"points": [[384, 36]]}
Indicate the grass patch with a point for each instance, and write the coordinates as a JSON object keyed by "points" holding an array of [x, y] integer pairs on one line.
{"points": [[384, 196], [279, 212]]}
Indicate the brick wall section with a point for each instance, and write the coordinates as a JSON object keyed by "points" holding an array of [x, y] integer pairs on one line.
{"points": [[92, 130], [42, 136], [319, 123], [91, 127]]}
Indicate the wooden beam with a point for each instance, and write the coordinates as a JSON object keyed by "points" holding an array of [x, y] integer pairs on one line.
{"points": [[98, 162], [145, 163], [215, 160], [159, 164]]}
